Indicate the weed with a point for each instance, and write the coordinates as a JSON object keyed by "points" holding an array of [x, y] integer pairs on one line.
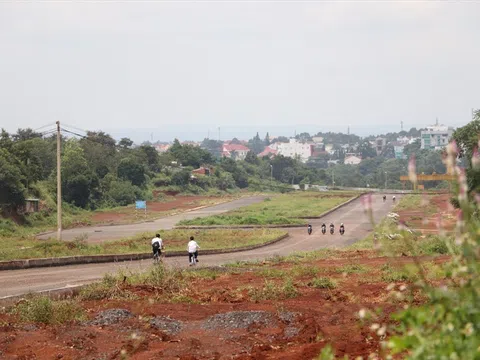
{"points": [[351, 268], [304, 271], [323, 283], [272, 273], [272, 291], [390, 274], [42, 309]]}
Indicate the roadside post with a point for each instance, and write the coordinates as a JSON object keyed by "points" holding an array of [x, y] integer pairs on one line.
{"points": [[140, 205]]}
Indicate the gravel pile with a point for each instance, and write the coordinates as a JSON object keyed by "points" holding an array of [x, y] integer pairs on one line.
{"points": [[239, 320], [166, 324], [109, 317], [288, 316]]}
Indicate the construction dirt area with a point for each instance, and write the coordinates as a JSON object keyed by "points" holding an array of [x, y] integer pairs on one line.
{"points": [[272, 310], [155, 209], [434, 214], [281, 308]]}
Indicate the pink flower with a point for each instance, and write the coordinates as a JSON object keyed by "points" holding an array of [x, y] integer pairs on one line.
{"points": [[460, 221], [475, 159], [412, 171], [462, 182], [450, 159]]}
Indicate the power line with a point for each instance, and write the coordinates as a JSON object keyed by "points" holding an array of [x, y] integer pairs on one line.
{"points": [[44, 126]]}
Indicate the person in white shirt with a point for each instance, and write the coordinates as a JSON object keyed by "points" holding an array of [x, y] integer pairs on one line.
{"points": [[192, 248], [157, 245]]}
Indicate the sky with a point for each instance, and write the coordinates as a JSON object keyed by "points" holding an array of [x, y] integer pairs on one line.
{"points": [[163, 69]]}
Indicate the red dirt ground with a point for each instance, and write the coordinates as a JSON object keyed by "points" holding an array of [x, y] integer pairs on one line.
{"points": [[178, 203], [444, 218], [321, 316]]}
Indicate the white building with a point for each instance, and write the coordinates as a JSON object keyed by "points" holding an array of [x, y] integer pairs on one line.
{"points": [[352, 160], [436, 137], [296, 148]]}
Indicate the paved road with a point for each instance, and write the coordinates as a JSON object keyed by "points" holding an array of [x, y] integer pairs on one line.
{"points": [[97, 234], [16, 282]]}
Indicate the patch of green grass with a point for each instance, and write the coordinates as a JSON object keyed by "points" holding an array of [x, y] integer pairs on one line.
{"points": [[392, 274], [323, 283], [174, 240], [351, 269], [41, 309], [304, 271], [280, 209], [273, 273], [182, 299], [273, 291]]}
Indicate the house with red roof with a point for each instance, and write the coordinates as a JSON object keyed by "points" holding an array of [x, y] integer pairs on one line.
{"points": [[235, 151], [268, 151]]}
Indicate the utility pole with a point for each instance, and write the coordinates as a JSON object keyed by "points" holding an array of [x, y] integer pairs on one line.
{"points": [[401, 125], [59, 185], [333, 178], [271, 175]]}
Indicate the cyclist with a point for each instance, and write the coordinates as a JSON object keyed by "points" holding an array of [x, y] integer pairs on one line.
{"points": [[332, 228], [384, 198], [324, 228], [342, 229], [393, 198], [309, 229], [157, 246], [192, 248]]}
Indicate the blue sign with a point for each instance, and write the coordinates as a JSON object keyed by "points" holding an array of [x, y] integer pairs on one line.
{"points": [[140, 204]]}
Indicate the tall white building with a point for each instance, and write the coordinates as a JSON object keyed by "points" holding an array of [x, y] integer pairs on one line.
{"points": [[296, 148], [436, 137]]}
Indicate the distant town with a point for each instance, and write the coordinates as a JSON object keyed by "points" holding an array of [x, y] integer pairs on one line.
{"points": [[333, 148]]}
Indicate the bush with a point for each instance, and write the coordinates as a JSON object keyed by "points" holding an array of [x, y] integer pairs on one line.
{"points": [[323, 283], [121, 193], [42, 309], [162, 180]]}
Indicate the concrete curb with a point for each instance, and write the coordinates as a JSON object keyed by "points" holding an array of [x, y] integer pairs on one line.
{"points": [[95, 259]]}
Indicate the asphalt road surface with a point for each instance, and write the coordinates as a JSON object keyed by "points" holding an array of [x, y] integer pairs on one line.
{"points": [[357, 226], [97, 234]]}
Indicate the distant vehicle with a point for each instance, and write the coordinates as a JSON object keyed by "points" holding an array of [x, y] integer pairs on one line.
{"points": [[309, 229]]}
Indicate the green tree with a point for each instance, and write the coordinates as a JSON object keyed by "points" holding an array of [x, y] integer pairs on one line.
{"points": [[129, 169], [152, 157], [413, 148], [100, 152], [267, 139], [366, 150], [256, 144], [78, 181], [12, 189], [467, 138], [121, 193], [125, 143], [26, 134], [251, 158], [181, 178], [214, 147]]}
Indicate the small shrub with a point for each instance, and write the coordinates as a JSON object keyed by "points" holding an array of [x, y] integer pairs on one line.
{"points": [[302, 271], [351, 268], [42, 309], [272, 291], [323, 283], [390, 274]]}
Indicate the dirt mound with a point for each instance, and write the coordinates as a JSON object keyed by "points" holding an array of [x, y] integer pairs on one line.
{"points": [[239, 320], [110, 317], [166, 324]]}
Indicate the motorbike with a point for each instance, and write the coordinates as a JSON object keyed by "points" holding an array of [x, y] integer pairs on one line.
{"points": [[309, 230], [332, 230], [324, 230], [342, 231]]}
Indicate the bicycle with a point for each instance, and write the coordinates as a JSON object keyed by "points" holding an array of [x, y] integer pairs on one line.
{"points": [[193, 259], [309, 229]]}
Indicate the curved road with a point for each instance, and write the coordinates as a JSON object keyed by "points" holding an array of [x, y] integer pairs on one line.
{"points": [[102, 233], [357, 226]]}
